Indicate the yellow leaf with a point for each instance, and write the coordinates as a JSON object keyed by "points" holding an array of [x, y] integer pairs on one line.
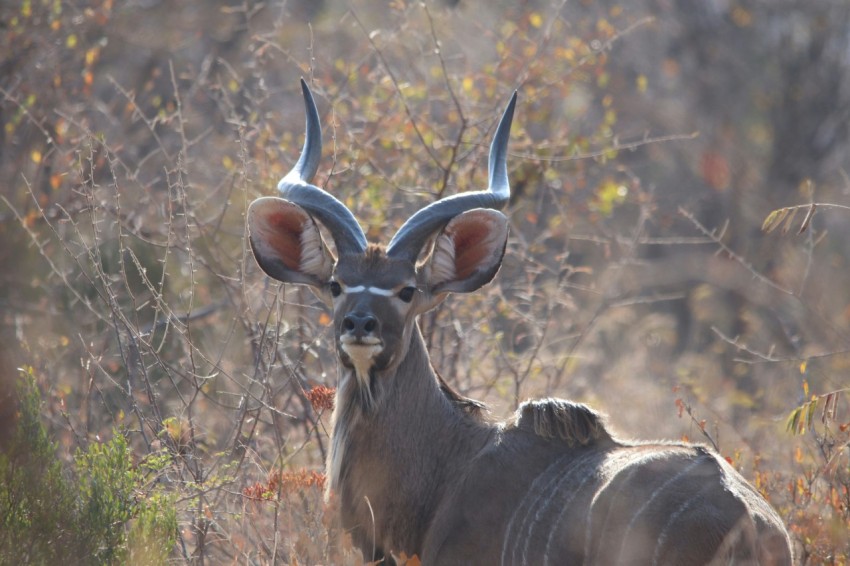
{"points": [[71, 41], [35, 156], [642, 83], [774, 219], [91, 55], [787, 225], [535, 19], [803, 370]]}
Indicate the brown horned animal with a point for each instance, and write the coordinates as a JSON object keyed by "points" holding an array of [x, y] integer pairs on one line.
{"points": [[416, 467]]}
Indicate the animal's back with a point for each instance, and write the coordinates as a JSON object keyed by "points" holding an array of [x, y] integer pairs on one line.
{"points": [[535, 499]]}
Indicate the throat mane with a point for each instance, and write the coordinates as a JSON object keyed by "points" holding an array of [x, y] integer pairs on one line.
{"points": [[354, 399], [365, 381]]}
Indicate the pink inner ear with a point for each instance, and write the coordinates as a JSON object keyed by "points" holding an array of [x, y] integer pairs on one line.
{"points": [[470, 246], [281, 231]]}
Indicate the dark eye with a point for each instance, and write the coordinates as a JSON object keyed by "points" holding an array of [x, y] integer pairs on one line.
{"points": [[406, 294], [336, 288]]}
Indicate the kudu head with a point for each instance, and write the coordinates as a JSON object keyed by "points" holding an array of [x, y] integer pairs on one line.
{"points": [[454, 245]]}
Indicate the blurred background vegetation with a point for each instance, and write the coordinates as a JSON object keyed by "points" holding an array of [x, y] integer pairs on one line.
{"points": [[651, 141]]}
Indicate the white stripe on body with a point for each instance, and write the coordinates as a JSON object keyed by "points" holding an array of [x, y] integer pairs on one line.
{"points": [[535, 488], [655, 494], [635, 465], [557, 522], [569, 475], [684, 507], [539, 492]]}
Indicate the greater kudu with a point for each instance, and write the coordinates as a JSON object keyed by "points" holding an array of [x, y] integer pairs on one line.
{"points": [[419, 470]]}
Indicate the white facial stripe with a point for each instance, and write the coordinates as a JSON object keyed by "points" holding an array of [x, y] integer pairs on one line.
{"points": [[381, 292], [372, 290]]}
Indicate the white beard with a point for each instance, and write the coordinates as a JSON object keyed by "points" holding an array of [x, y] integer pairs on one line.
{"points": [[346, 414], [362, 355]]}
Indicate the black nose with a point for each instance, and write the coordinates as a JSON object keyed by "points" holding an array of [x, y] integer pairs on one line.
{"points": [[359, 324]]}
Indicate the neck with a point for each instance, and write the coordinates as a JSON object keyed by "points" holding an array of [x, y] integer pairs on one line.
{"points": [[388, 464]]}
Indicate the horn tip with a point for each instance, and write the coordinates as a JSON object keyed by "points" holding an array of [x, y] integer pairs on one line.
{"points": [[305, 91], [509, 110]]}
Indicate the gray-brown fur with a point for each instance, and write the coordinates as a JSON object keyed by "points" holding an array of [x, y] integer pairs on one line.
{"points": [[418, 468]]}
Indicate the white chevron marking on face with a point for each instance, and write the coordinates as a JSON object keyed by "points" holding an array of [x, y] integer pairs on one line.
{"points": [[371, 290]]}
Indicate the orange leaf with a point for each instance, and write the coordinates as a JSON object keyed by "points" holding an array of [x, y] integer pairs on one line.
{"points": [[406, 560], [715, 170]]}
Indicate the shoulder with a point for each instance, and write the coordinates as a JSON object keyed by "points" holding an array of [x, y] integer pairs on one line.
{"points": [[574, 423]]}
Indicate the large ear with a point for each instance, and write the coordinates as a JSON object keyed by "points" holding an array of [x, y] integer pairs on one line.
{"points": [[467, 252], [287, 243]]}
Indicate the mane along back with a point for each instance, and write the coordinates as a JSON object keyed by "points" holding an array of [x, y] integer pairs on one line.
{"points": [[574, 423], [466, 405]]}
